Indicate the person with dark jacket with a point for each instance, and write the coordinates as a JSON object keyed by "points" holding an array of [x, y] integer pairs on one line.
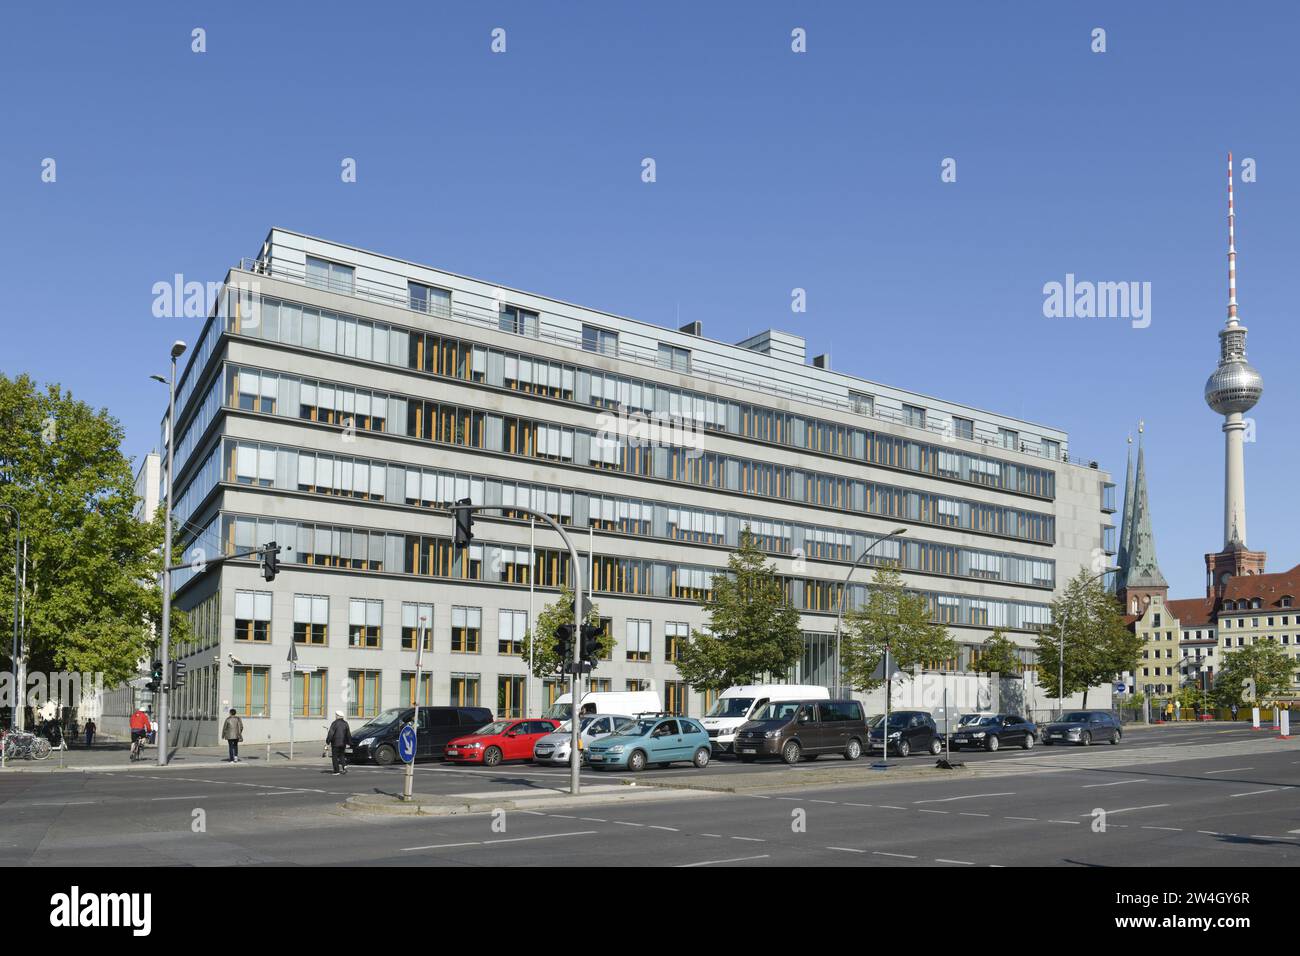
{"points": [[338, 739], [232, 732], [90, 733]]}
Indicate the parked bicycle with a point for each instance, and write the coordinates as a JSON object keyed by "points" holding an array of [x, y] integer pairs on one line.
{"points": [[20, 745]]}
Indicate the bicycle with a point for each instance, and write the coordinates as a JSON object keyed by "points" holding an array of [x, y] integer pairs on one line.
{"points": [[27, 746], [137, 747]]}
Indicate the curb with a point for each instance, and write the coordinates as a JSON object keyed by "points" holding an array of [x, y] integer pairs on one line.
{"points": [[445, 806]]}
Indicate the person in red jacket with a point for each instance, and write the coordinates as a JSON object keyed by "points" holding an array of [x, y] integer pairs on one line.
{"points": [[140, 725]]}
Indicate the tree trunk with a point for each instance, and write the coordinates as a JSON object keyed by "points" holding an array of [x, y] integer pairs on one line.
{"points": [[1085, 697]]}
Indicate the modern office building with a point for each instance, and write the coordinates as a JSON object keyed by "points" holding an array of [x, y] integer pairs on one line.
{"points": [[338, 401]]}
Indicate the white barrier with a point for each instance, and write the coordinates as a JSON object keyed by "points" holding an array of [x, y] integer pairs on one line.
{"points": [[1285, 724], [1254, 718]]}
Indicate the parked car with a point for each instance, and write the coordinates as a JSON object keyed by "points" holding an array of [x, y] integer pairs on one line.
{"points": [[554, 748], [652, 740], [376, 739], [803, 729], [634, 702], [741, 703], [992, 731], [500, 740], [1083, 727], [910, 731]]}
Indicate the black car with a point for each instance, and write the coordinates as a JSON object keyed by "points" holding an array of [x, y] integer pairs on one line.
{"points": [[910, 731], [376, 739], [993, 731], [1083, 727]]}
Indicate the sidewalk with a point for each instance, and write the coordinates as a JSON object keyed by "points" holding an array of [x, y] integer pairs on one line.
{"points": [[116, 756]]}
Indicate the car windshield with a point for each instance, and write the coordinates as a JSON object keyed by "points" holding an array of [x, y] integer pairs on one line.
{"points": [[777, 710], [967, 719], [636, 728], [731, 707], [895, 720], [1078, 717], [984, 722], [383, 720], [557, 712], [567, 726], [496, 727]]}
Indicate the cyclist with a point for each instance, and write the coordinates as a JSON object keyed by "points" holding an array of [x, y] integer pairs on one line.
{"points": [[139, 730]]}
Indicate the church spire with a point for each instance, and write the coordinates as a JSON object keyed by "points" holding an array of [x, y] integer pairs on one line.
{"points": [[1126, 519], [1144, 571]]}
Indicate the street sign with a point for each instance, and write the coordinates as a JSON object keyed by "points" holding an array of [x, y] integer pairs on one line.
{"points": [[1121, 688], [406, 744]]}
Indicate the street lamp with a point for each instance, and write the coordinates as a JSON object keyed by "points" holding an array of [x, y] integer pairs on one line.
{"points": [[844, 590], [178, 349], [16, 716], [1060, 674]]}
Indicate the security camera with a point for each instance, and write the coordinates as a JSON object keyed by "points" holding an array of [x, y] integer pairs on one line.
{"points": [[233, 660]]}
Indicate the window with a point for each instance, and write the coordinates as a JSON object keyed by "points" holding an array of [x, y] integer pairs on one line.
{"points": [[914, 415], [862, 403], [322, 274], [670, 356], [466, 629], [638, 640], [363, 693], [511, 628], [635, 684], [365, 620], [309, 693], [1008, 438], [675, 635], [675, 697], [409, 695], [518, 321], [248, 691], [417, 619], [464, 690], [510, 695], [426, 298], [963, 427], [253, 616], [1050, 449], [311, 613], [599, 340]]}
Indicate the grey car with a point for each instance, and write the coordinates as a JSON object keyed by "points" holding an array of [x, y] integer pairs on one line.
{"points": [[554, 748], [1083, 727]]}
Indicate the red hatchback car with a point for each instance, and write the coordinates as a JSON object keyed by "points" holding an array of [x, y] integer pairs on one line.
{"points": [[500, 740]]}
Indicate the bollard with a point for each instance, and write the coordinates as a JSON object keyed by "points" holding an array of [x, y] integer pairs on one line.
{"points": [[1254, 718], [268, 748], [1284, 725]]}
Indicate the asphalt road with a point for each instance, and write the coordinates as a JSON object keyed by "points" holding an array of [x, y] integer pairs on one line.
{"points": [[1191, 796]]}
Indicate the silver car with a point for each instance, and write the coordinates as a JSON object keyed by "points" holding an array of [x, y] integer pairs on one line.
{"points": [[554, 748]]}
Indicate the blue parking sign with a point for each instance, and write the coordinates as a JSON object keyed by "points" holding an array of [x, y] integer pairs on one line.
{"points": [[406, 744]]}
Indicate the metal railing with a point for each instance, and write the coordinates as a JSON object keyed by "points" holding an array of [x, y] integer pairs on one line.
{"points": [[484, 318]]}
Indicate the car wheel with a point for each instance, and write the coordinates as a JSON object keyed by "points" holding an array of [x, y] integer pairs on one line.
{"points": [[903, 748], [491, 756], [854, 750], [1114, 738], [1086, 739], [791, 752], [636, 762], [1028, 742], [936, 746], [385, 756], [702, 757], [992, 744]]}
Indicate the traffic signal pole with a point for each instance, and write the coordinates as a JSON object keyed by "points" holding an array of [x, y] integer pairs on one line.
{"points": [[461, 512]]}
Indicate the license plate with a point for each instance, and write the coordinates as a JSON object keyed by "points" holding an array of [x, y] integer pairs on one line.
{"points": [[959, 740], [747, 750], [452, 753]]}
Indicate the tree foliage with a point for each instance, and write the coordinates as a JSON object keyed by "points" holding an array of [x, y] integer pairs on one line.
{"points": [[1098, 645], [540, 641], [91, 591], [998, 655], [1266, 665], [753, 630]]}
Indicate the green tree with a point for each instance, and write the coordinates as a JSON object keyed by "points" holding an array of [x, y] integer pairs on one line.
{"points": [[540, 641], [998, 655], [753, 630], [892, 618], [92, 597], [1266, 665], [1098, 644]]}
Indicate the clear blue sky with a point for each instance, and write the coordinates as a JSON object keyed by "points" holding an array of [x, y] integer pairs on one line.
{"points": [[775, 170]]}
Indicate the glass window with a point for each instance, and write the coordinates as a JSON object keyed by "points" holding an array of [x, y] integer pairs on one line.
{"points": [[600, 340], [466, 630], [365, 620], [363, 693], [253, 616], [417, 619], [511, 628], [248, 691], [322, 274], [310, 618], [963, 427], [424, 298], [638, 640]]}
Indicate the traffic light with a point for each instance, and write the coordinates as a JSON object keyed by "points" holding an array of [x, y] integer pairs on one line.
{"points": [[564, 645], [155, 677], [464, 523], [177, 676], [270, 561], [589, 648]]}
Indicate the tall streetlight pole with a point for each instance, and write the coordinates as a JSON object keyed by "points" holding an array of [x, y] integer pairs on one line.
{"points": [[178, 349], [16, 717], [844, 590], [1060, 673]]}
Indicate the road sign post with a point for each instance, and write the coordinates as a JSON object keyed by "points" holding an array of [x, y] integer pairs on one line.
{"points": [[293, 666], [406, 750]]}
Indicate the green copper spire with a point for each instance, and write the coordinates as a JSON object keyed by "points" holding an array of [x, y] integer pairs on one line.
{"points": [[1143, 570]]}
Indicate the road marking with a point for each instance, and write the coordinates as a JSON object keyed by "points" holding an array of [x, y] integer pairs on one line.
{"points": [[438, 846], [858, 804], [885, 806], [750, 839], [961, 862], [544, 836], [564, 816], [1034, 819], [592, 819], [197, 796], [1230, 770], [972, 814], [669, 829], [1251, 793], [1149, 806], [1117, 783], [1170, 829], [624, 823], [1073, 822], [845, 849], [716, 836], [1210, 832], [832, 802], [283, 793], [736, 859], [970, 796], [901, 856]]}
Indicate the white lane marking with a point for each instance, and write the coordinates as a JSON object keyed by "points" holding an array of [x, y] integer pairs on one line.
{"points": [[564, 816], [750, 839], [969, 796], [858, 805], [1229, 770], [197, 796], [544, 836], [885, 806], [1073, 822], [285, 793], [944, 812], [438, 846], [716, 836], [1034, 819], [961, 862], [1251, 793], [845, 849], [1117, 783], [973, 814], [1210, 832], [1149, 806], [592, 819], [624, 823], [735, 859], [901, 856], [74, 803], [832, 802], [669, 829], [1170, 829]]}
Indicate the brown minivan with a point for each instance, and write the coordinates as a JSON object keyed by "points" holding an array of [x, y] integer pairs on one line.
{"points": [[803, 729]]}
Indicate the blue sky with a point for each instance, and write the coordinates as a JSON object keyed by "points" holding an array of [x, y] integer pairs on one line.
{"points": [[775, 171]]}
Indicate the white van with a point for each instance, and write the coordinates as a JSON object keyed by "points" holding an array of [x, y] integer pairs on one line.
{"points": [[738, 704], [630, 702]]}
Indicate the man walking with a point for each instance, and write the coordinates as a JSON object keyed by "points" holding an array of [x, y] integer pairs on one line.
{"points": [[90, 733], [338, 739], [232, 732]]}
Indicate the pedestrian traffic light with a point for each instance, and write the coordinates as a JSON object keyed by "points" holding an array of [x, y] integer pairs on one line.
{"points": [[177, 676], [155, 677], [464, 523], [589, 649], [564, 644], [270, 561]]}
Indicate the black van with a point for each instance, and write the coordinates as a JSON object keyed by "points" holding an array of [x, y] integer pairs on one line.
{"points": [[803, 729], [376, 739]]}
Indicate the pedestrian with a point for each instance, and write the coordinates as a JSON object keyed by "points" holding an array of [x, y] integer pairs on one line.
{"points": [[1178, 710], [1233, 708], [232, 732], [338, 739], [1169, 711], [90, 734]]}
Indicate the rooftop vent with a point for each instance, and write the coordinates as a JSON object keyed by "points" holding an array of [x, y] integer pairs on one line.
{"points": [[693, 328], [822, 361]]}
